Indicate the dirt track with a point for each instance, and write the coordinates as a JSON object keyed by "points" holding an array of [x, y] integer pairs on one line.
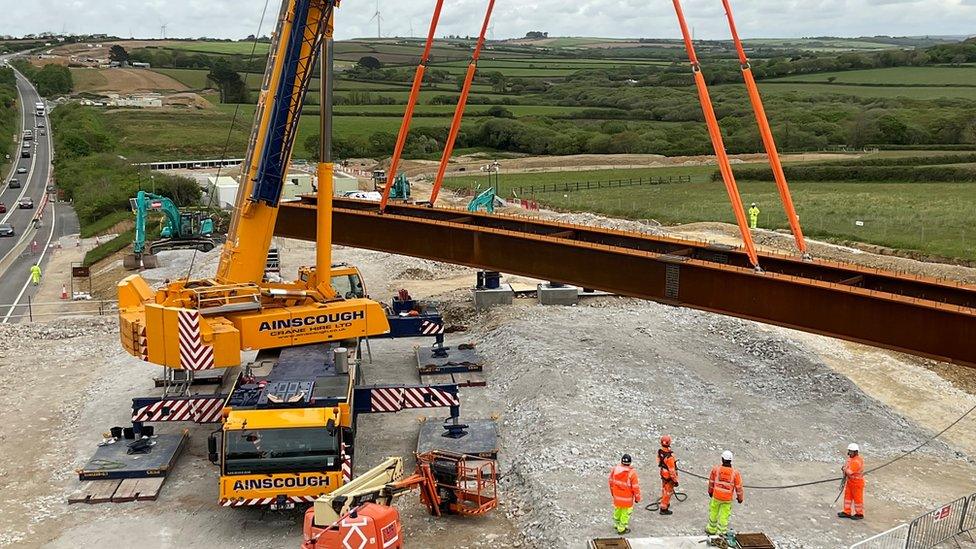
{"points": [[123, 81]]}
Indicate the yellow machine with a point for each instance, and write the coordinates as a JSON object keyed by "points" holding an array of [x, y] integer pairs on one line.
{"points": [[204, 323]]}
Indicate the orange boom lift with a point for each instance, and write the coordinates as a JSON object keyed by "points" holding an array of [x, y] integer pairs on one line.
{"points": [[767, 136], [716, 135]]}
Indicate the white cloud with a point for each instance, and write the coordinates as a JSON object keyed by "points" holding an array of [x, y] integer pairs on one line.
{"points": [[609, 18]]}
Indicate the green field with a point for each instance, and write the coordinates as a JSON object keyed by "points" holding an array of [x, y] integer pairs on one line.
{"points": [[230, 48], [935, 218], [909, 76], [922, 93], [448, 110], [195, 79]]}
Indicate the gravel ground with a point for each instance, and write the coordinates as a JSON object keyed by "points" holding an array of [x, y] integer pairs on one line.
{"points": [[574, 387]]}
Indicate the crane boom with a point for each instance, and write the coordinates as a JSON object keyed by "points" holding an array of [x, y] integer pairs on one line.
{"points": [[198, 324], [302, 26]]}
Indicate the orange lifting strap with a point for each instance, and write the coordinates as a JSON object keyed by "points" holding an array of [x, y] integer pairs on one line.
{"points": [[717, 143], [459, 110], [411, 101], [767, 136]]}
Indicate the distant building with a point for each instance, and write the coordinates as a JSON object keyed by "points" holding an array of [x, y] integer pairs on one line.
{"points": [[139, 65]]}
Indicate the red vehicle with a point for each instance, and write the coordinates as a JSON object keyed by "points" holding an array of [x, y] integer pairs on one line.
{"points": [[3, 208]]}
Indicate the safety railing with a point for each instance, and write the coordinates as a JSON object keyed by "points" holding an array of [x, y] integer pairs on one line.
{"points": [[929, 530], [937, 526], [969, 515], [896, 538]]}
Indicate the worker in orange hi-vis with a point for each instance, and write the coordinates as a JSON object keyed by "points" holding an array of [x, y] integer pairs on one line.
{"points": [[723, 482], [669, 473], [625, 490], [853, 484]]}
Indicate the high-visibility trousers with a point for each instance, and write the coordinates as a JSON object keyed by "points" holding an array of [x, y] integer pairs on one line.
{"points": [[854, 497], [719, 513], [753, 221], [667, 490], [35, 277], [621, 518]]}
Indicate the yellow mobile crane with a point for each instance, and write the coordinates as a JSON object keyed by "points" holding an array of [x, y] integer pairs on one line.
{"points": [[204, 323], [288, 422]]}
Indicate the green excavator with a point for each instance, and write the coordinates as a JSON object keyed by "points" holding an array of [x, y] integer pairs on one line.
{"points": [[180, 231]]}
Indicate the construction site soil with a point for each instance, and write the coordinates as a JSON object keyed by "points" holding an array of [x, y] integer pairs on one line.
{"points": [[572, 388]]}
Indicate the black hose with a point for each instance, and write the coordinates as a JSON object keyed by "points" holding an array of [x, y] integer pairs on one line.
{"points": [[835, 479]]}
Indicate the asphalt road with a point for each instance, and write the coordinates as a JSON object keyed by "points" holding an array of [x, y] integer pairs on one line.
{"points": [[56, 220]]}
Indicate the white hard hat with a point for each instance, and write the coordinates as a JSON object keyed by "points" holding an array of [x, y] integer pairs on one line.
{"points": [[853, 447], [727, 455]]}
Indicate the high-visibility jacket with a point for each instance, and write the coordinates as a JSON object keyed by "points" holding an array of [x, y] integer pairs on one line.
{"points": [[667, 464], [854, 469], [754, 212], [723, 482], [624, 486]]}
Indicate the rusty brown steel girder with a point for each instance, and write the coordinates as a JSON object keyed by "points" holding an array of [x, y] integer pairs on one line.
{"points": [[917, 315]]}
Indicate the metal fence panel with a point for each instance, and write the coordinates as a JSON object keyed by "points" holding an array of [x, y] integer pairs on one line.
{"points": [[969, 517], [936, 526], [896, 538]]}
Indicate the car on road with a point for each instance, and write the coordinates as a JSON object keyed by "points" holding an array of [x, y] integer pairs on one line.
{"points": [[3, 208], [14, 183], [21, 170], [26, 203], [40, 124], [6, 229], [25, 153]]}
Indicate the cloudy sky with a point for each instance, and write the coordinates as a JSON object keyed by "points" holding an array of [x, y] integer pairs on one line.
{"points": [[605, 18]]}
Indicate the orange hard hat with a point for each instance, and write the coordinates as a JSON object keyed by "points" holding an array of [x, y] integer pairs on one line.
{"points": [[666, 440]]}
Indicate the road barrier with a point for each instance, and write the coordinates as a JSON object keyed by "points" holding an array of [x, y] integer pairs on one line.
{"points": [[937, 526], [929, 530], [896, 538]]}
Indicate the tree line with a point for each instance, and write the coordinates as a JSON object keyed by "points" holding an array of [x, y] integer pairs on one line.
{"points": [[96, 179], [50, 80]]}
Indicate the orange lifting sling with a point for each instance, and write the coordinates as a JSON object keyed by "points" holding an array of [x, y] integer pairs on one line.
{"points": [[459, 110], [411, 101], [716, 137], [767, 136]]}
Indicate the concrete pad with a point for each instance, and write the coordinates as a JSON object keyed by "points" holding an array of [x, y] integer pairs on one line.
{"points": [[487, 297], [683, 542], [557, 295]]}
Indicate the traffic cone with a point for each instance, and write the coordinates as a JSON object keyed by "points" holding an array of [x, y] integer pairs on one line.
{"points": [[64, 292]]}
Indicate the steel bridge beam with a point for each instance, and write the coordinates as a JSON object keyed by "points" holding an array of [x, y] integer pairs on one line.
{"points": [[916, 315]]}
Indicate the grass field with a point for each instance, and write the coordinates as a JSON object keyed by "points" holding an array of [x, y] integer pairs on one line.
{"points": [[921, 76], [192, 78], [935, 218], [448, 110], [922, 93], [231, 48]]}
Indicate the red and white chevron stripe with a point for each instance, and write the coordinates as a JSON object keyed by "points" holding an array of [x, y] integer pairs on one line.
{"points": [[199, 410], [194, 355], [346, 464], [264, 501], [431, 328], [394, 399]]}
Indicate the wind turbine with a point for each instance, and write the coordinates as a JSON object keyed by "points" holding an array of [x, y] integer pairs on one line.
{"points": [[162, 29], [378, 18]]}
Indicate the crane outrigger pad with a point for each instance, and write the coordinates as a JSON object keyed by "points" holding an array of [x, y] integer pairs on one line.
{"points": [[112, 461], [481, 438]]}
